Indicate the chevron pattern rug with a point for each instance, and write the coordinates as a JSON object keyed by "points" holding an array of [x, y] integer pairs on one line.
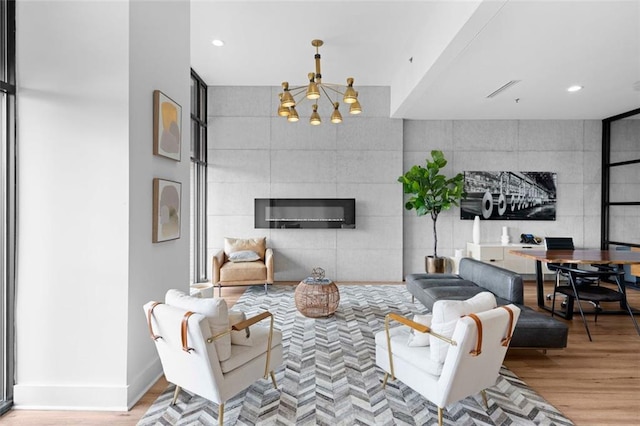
{"points": [[329, 376]]}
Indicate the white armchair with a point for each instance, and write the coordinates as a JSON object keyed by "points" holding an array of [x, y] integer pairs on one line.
{"points": [[204, 353], [472, 362]]}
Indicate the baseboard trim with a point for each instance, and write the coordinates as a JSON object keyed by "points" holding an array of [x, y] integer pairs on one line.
{"points": [[86, 397]]}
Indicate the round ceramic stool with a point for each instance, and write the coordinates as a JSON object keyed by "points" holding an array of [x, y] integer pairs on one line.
{"points": [[317, 298]]}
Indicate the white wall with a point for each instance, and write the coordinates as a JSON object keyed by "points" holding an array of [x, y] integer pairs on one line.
{"points": [[253, 153], [570, 148], [85, 166], [159, 59]]}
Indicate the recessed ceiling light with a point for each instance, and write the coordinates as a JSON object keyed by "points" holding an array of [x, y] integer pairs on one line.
{"points": [[574, 88], [217, 42]]}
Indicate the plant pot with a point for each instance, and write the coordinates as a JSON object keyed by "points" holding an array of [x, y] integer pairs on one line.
{"points": [[435, 265]]}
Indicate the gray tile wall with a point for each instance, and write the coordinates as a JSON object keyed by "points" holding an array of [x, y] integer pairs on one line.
{"points": [[570, 148], [253, 153]]}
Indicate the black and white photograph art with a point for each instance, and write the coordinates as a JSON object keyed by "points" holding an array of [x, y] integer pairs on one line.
{"points": [[509, 195]]}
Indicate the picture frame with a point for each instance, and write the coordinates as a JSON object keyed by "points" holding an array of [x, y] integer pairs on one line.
{"points": [[509, 195], [167, 126], [167, 214]]}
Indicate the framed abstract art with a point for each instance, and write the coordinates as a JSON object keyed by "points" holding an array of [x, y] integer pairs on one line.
{"points": [[167, 126], [166, 210]]}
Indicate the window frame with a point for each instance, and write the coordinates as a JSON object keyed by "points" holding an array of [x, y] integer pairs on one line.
{"points": [[199, 166], [8, 203]]}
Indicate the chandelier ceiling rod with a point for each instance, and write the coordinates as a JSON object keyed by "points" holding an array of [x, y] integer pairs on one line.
{"points": [[313, 91]]}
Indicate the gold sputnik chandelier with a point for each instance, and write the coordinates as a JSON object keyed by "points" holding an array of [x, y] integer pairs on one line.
{"points": [[313, 91]]}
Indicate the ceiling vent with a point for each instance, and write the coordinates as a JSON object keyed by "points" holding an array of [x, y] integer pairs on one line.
{"points": [[503, 88]]}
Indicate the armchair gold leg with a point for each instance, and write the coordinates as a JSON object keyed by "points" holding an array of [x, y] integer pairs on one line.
{"points": [[484, 398], [384, 382], [273, 379], [221, 414], [439, 416], [175, 395]]}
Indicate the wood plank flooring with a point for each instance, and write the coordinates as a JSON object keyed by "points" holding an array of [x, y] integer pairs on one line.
{"points": [[592, 383]]}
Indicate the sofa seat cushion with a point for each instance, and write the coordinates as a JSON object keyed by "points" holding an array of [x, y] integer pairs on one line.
{"points": [[418, 356], [431, 295], [244, 271], [240, 355], [537, 330]]}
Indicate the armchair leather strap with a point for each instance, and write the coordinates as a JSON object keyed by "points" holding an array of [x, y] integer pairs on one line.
{"points": [[183, 332], [149, 313], [478, 350], [507, 338]]}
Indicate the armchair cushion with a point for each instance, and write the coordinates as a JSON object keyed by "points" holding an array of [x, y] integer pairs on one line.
{"points": [[446, 314], [239, 337], [244, 271], [415, 337], [418, 357], [258, 245], [244, 256], [240, 355], [214, 309]]}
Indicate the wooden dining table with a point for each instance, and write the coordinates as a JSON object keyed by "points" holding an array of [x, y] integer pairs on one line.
{"points": [[619, 258]]}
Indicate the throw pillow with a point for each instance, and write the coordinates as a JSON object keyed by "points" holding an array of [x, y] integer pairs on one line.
{"points": [[446, 314], [415, 337], [214, 309], [244, 256], [239, 337]]}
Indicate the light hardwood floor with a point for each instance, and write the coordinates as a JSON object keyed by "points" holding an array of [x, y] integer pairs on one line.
{"points": [[592, 383]]}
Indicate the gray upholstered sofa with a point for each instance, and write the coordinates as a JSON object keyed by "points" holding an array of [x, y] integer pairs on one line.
{"points": [[533, 330]]}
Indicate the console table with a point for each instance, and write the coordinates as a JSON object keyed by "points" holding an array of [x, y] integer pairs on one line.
{"points": [[500, 255]]}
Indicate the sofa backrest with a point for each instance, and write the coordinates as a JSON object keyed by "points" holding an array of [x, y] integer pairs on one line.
{"points": [[499, 281]]}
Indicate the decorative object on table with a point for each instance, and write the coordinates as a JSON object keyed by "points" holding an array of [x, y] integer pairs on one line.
{"points": [[317, 273], [504, 238], [319, 349], [317, 298], [167, 126], [509, 195], [459, 254], [166, 210], [476, 230], [314, 91], [431, 193]]}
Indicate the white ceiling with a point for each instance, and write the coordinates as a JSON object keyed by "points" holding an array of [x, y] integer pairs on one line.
{"points": [[461, 52]]}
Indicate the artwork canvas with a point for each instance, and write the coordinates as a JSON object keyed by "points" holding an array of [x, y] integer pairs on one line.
{"points": [[166, 210], [509, 195], [167, 126]]}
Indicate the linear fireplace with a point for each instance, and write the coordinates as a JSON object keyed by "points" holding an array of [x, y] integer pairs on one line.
{"points": [[323, 213]]}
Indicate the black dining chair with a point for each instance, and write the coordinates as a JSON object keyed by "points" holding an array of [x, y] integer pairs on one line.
{"points": [[558, 243], [595, 294]]}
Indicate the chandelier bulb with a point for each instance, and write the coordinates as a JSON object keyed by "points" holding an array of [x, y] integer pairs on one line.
{"points": [[336, 117], [315, 117], [293, 115]]}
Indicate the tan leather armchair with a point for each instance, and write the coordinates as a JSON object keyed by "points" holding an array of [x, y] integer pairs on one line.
{"points": [[235, 265]]}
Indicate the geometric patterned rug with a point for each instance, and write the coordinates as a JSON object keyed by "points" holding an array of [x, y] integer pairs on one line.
{"points": [[329, 376]]}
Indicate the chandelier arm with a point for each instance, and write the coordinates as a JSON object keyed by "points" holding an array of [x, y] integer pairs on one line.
{"points": [[297, 90], [327, 95], [332, 87]]}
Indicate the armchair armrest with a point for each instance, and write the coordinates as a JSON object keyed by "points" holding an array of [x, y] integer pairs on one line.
{"points": [[268, 261], [218, 261], [246, 323]]}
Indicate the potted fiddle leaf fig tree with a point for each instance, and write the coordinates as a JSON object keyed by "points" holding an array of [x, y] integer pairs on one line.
{"points": [[431, 193]]}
